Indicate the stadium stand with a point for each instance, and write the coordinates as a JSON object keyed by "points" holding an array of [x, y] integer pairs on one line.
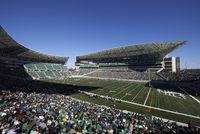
{"points": [[134, 75], [10, 48], [82, 72], [120, 74], [181, 76], [47, 71], [12, 68], [134, 57], [13, 57]]}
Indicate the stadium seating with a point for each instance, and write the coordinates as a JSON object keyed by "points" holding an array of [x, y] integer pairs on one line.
{"points": [[12, 69], [181, 76], [122, 74], [89, 66], [46, 71], [134, 75], [81, 72], [41, 74]]}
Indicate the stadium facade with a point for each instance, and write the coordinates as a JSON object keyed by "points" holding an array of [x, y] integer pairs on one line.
{"points": [[9, 48], [13, 57], [135, 57]]}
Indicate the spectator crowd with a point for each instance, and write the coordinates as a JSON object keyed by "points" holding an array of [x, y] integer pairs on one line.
{"points": [[42, 113]]}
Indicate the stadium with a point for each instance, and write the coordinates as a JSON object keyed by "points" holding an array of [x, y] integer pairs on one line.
{"points": [[131, 89]]}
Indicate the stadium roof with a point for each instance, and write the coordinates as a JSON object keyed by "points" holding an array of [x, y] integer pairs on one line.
{"points": [[9, 48], [135, 50]]}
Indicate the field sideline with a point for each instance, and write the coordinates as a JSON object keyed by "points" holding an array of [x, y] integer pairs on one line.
{"points": [[168, 99]]}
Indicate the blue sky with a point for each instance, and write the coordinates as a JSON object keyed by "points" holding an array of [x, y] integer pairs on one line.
{"points": [[76, 27]]}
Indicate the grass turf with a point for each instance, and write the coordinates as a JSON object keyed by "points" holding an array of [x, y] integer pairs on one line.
{"points": [[137, 92]]}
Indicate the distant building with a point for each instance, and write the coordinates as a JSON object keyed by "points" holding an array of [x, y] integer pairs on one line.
{"points": [[172, 64]]}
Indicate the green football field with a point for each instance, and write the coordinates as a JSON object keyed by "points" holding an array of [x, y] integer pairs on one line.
{"points": [[139, 97]]}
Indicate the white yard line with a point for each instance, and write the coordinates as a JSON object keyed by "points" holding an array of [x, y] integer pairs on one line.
{"points": [[189, 95], [147, 96], [114, 89], [130, 91], [123, 97], [130, 84], [134, 88], [160, 109], [106, 93], [137, 94]]}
